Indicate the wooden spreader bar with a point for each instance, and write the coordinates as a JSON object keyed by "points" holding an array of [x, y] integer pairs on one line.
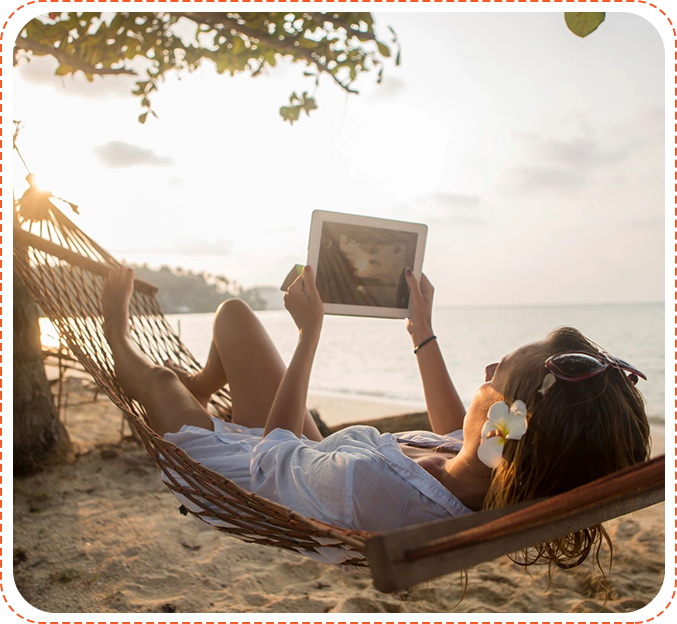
{"points": [[27, 239], [404, 558]]}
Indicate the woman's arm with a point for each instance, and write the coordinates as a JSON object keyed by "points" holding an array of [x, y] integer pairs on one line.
{"points": [[304, 304], [445, 408]]}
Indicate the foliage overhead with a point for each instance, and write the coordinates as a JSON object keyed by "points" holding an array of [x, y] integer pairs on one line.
{"points": [[582, 24], [149, 45]]}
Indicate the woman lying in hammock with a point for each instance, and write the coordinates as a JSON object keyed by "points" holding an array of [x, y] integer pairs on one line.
{"points": [[552, 415]]}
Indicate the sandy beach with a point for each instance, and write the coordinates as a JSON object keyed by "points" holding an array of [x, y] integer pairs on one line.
{"points": [[100, 533]]}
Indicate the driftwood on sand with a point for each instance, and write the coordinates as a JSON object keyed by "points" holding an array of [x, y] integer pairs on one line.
{"points": [[412, 421]]}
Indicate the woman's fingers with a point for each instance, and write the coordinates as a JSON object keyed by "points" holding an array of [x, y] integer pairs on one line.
{"points": [[296, 287], [412, 282], [308, 276], [305, 284], [303, 302]]}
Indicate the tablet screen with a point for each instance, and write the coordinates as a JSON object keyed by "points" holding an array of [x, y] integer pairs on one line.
{"points": [[363, 265]]}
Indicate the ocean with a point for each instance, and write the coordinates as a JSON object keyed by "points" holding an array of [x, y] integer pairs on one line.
{"points": [[372, 358], [364, 358]]}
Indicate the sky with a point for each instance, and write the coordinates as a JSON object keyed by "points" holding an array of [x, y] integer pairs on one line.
{"points": [[535, 157]]}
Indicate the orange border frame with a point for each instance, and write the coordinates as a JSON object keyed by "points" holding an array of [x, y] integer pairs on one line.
{"points": [[658, 13]]}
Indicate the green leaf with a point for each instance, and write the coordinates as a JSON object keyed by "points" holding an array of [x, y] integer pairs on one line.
{"points": [[142, 117], [270, 58], [290, 113], [383, 49], [582, 24], [238, 45], [309, 104]]}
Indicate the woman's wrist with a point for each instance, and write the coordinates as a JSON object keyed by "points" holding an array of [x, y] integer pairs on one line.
{"points": [[419, 335], [310, 335], [425, 342]]}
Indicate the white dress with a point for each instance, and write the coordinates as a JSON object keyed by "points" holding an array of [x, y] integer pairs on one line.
{"points": [[356, 478]]}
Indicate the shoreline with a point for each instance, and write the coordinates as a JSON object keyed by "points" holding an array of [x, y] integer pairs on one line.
{"points": [[346, 409], [337, 408]]}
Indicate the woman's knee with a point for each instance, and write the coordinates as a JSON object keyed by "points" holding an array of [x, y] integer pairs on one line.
{"points": [[143, 384], [232, 311], [159, 376]]}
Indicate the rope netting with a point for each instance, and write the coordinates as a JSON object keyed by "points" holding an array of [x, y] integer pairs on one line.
{"points": [[64, 270]]}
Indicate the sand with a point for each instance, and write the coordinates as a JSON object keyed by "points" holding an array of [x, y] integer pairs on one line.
{"points": [[100, 533]]}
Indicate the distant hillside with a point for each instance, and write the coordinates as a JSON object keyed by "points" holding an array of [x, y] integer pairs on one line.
{"points": [[272, 296], [186, 291]]}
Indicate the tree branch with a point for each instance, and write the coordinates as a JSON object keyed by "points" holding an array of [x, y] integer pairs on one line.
{"points": [[68, 59], [359, 34], [221, 18]]}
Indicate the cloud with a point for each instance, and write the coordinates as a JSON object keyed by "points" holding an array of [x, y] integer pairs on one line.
{"points": [[202, 247], [390, 87], [40, 71], [121, 154], [284, 230], [651, 221], [444, 208], [566, 179], [195, 247], [569, 162], [468, 220], [453, 201]]}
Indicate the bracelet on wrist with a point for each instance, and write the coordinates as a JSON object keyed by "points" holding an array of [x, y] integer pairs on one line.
{"points": [[424, 343]]}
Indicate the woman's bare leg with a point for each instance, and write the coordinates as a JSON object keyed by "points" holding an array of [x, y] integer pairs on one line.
{"points": [[207, 381], [243, 356], [168, 403]]}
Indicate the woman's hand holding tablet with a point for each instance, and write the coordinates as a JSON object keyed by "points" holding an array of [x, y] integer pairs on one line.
{"points": [[360, 263]]}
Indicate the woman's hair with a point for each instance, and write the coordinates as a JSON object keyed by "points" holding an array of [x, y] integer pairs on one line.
{"points": [[577, 432]]}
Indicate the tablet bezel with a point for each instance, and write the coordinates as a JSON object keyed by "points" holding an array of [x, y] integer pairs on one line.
{"points": [[344, 309]]}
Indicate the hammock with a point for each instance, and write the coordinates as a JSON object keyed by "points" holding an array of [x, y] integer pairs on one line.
{"points": [[64, 270]]}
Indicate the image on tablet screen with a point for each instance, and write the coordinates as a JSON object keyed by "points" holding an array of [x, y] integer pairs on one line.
{"points": [[359, 265]]}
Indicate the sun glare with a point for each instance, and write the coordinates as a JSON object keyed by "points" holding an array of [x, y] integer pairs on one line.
{"points": [[49, 337], [362, 264]]}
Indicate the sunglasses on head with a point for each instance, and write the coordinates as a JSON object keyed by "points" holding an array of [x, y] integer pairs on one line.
{"points": [[576, 366], [580, 366]]}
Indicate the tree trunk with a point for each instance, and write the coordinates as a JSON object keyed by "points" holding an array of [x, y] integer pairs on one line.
{"points": [[38, 433]]}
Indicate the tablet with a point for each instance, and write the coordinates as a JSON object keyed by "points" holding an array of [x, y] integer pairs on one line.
{"points": [[360, 262]]}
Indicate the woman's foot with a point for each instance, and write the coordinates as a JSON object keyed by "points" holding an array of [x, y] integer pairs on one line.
{"points": [[192, 383], [117, 291]]}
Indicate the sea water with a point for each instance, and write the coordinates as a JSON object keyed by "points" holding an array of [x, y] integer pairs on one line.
{"points": [[368, 358], [373, 358]]}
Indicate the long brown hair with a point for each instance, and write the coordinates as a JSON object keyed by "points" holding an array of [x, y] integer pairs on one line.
{"points": [[577, 432]]}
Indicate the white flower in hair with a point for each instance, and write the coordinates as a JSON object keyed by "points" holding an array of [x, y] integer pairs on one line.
{"points": [[509, 423]]}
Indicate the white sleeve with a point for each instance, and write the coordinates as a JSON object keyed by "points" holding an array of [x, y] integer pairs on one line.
{"points": [[315, 483]]}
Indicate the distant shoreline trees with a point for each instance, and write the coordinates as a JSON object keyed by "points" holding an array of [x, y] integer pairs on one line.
{"points": [[186, 291]]}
